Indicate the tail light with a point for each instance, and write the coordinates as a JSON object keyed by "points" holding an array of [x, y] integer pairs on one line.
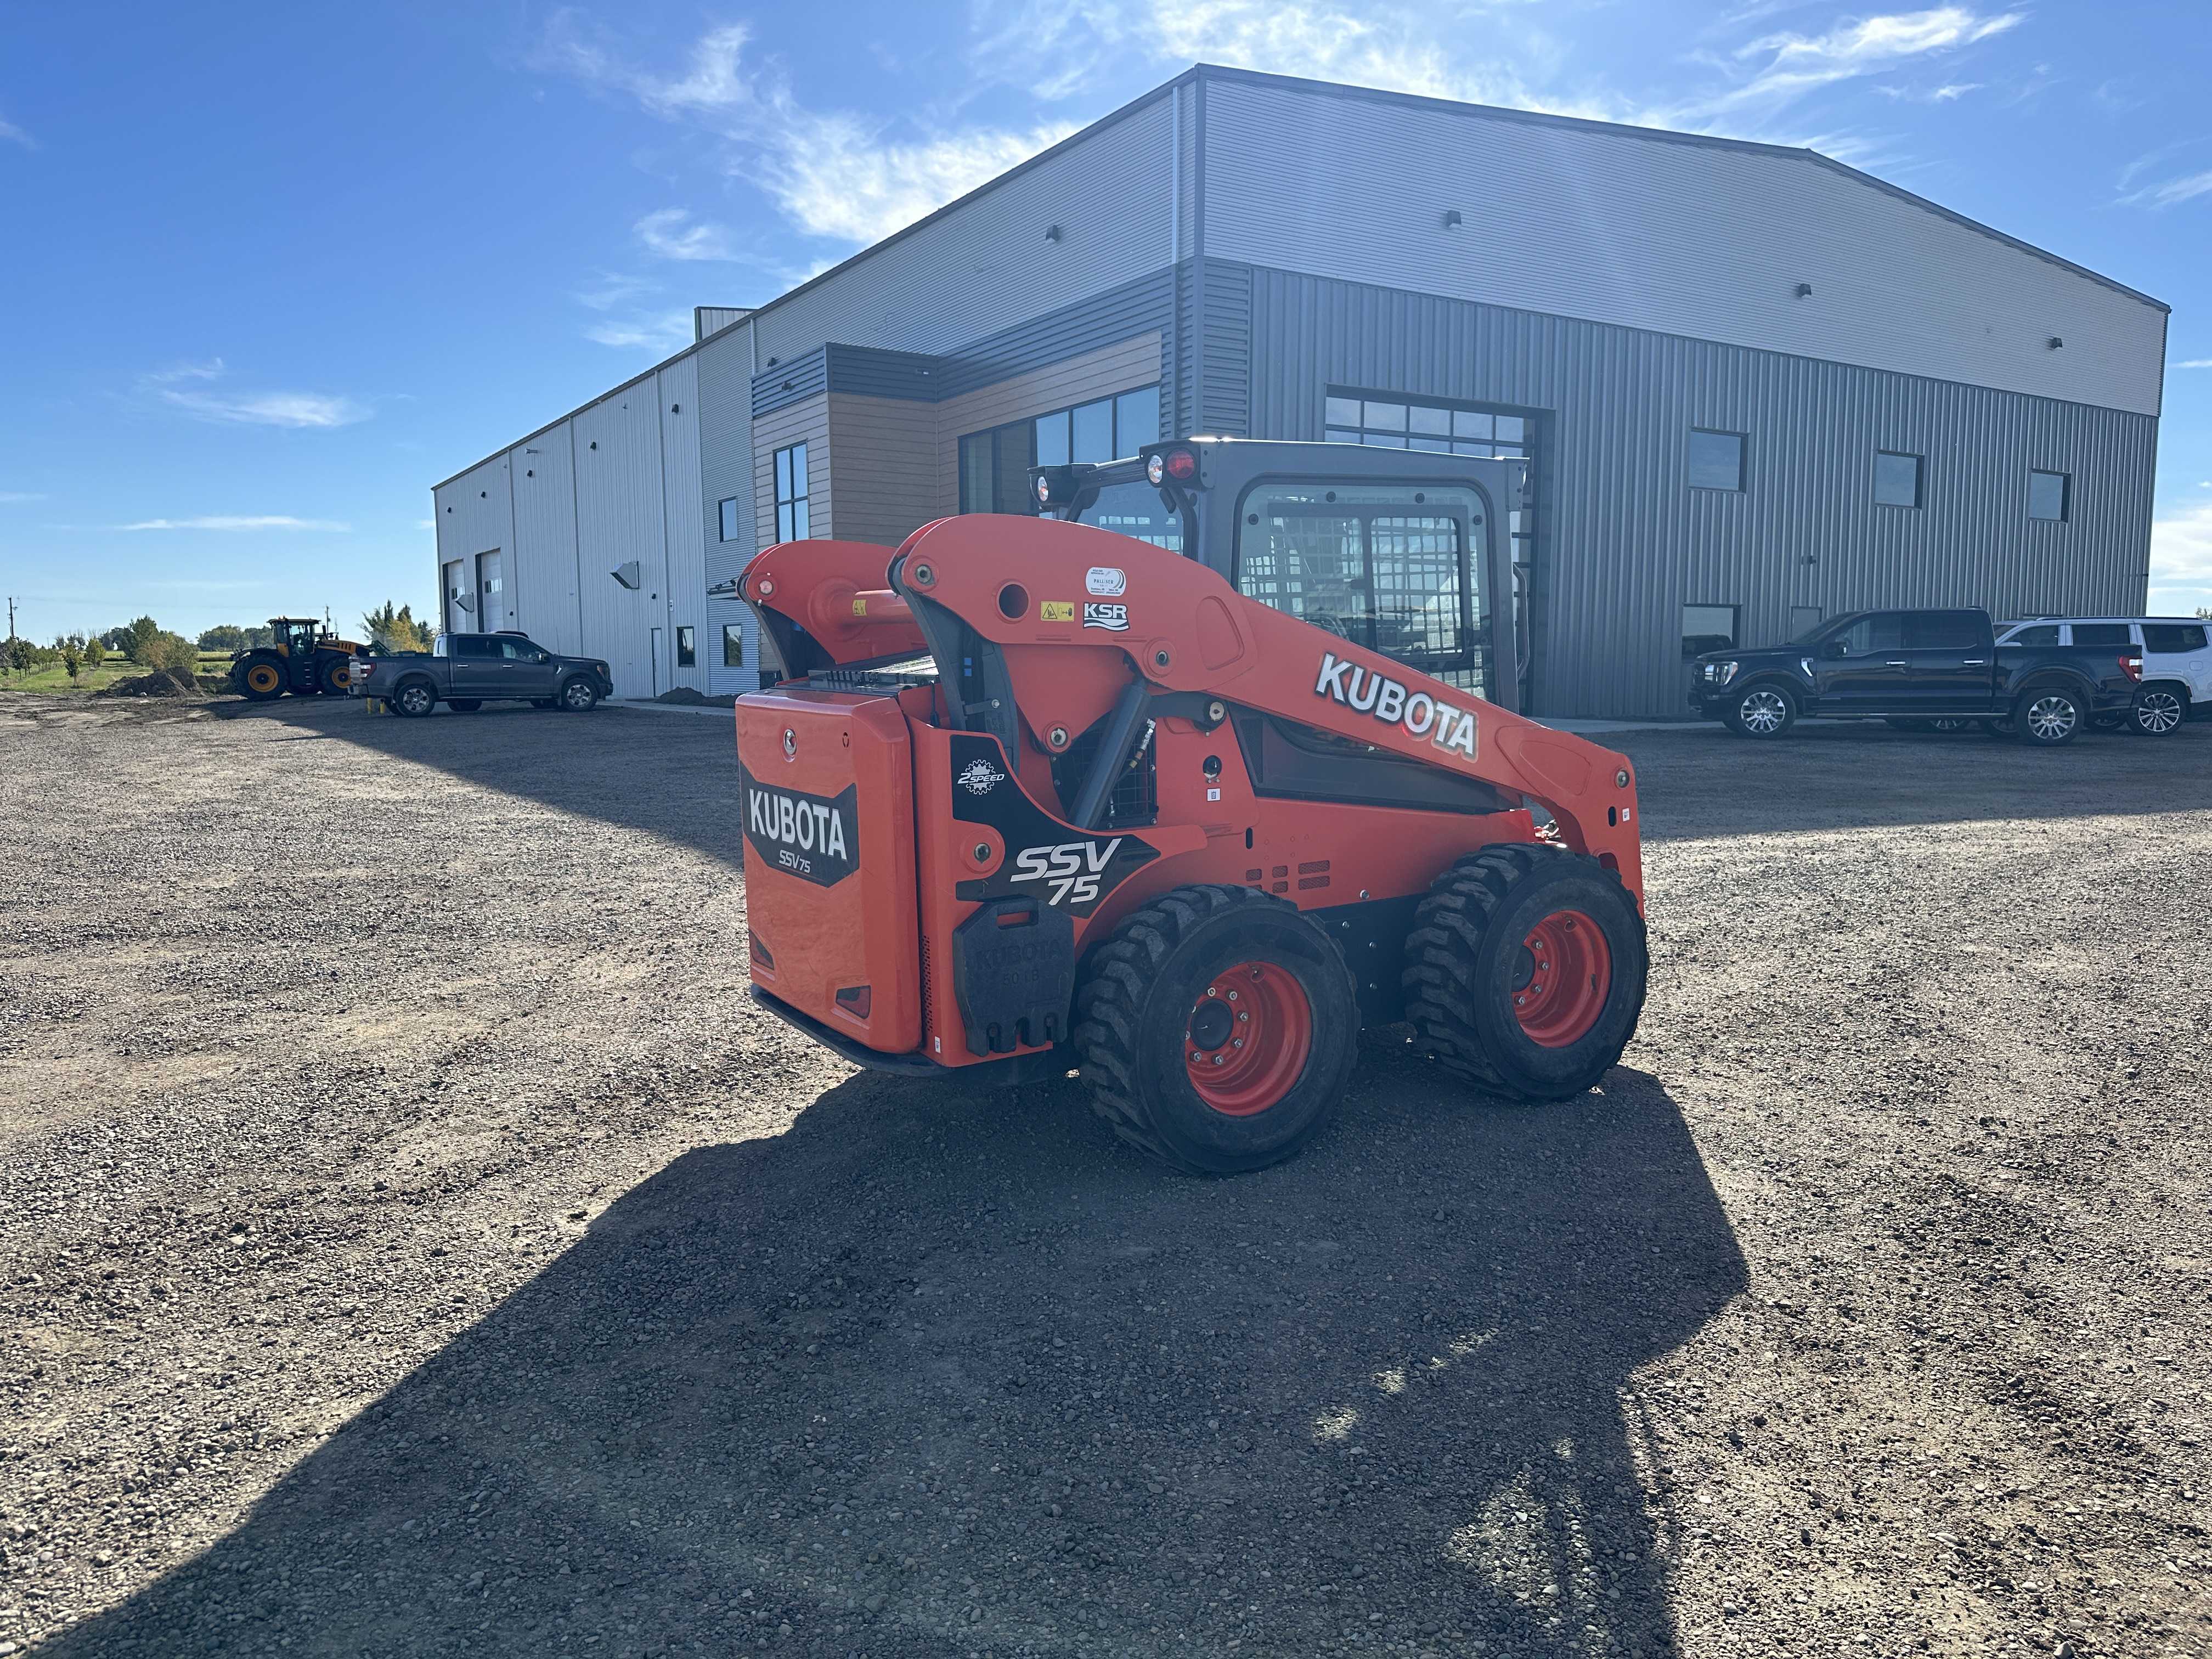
{"points": [[1179, 464], [2131, 666]]}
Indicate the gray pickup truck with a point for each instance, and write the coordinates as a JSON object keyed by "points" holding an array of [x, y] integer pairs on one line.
{"points": [[465, 672]]}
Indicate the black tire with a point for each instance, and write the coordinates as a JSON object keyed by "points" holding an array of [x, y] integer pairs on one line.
{"points": [[1471, 971], [1144, 1018], [414, 698], [2049, 716], [336, 677], [578, 696], [544, 702], [1998, 725], [1762, 711], [464, 705], [262, 678], [2160, 711]]}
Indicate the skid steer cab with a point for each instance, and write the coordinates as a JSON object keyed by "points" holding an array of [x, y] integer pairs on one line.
{"points": [[1180, 787], [302, 658]]}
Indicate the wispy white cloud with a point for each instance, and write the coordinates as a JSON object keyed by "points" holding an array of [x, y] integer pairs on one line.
{"points": [[2181, 549], [2193, 362], [2171, 192], [15, 134], [226, 521], [1778, 69], [19, 495], [660, 333], [833, 174], [669, 234], [174, 388]]}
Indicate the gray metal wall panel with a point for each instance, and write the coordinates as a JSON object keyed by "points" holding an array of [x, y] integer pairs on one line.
{"points": [[984, 265], [793, 381], [1139, 306], [475, 513], [621, 516], [1708, 241], [683, 595], [726, 472], [1226, 339], [544, 475], [1624, 543], [869, 372]]}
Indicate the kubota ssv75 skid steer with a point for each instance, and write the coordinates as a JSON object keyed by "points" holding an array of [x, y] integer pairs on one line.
{"points": [[1185, 812]]}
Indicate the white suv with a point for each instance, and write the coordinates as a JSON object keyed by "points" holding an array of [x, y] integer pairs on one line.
{"points": [[2177, 660]]}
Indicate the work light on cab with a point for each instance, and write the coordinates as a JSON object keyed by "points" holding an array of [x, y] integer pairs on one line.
{"points": [[1179, 464]]}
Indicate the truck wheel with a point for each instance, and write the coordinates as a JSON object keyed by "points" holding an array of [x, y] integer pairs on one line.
{"points": [[464, 705], [579, 696], [2158, 710], [1216, 1028], [336, 677], [1763, 711], [262, 680], [1525, 971], [2048, 715], [415, 698]]}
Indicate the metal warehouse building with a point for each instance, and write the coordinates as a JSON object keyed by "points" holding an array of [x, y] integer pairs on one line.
{"points": [[1755, 386]]}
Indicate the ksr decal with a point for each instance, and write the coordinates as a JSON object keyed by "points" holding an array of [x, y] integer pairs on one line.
{"points": [[1114, 617]]}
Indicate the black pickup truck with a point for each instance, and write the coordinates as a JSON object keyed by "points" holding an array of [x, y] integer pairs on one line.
{"points": [[1910, 667]]}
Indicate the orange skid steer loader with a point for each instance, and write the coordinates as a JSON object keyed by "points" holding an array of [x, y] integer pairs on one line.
{"points": [[1041, 795]]}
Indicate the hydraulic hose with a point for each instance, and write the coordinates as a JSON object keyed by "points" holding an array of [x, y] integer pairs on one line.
{"points": [[1128, 712]]}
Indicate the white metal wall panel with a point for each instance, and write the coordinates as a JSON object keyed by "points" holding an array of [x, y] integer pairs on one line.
{"points": [[985, 265], [726, 472], [1702, 240], [684, 594], [542, 475], [621, 517], [475, 513]]}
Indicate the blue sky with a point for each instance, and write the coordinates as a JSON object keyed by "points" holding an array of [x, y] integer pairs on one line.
{"points": [[270, 272]]}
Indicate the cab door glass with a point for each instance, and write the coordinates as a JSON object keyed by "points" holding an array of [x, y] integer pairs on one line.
{"points": [[1138, 510], [1395, 569], [1946, 630], [1884, 631]]}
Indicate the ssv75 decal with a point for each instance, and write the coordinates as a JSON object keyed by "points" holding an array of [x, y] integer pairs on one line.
{"points": [[1045, 858], [1420, 715]]}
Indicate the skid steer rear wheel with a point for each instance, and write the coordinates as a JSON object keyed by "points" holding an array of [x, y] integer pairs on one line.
{"points": [[1525, 971], [1216, 1028]]}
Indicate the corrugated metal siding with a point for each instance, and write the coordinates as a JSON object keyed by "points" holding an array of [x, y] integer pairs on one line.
{"points": [[1703, 241], [726, 471], [1143, 307], [475, 513], [1624, 543], [1225, 407], [713, 319], [621, 515], [866, 372], [684, 593], [985, 265], [778, 385], [543, 474]]}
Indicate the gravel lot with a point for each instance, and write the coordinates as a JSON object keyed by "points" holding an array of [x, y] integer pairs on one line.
{"points": [[412, 1242]]}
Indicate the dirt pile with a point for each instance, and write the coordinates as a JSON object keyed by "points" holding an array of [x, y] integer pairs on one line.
{"points": [[161, 683]]}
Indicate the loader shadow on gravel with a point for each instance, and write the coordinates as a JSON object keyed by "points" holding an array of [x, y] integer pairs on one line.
{"points": [[950, 1374]]}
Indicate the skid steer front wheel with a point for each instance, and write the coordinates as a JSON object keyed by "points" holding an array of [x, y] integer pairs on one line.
{"points": [[1216, 1028], [1525, 971]]}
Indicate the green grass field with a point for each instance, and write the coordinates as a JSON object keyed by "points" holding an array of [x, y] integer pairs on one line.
{"points": [[54, 678]]}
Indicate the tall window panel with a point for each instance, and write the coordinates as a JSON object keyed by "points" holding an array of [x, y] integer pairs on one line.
{"points": [[2047, 493], [791, 493]]}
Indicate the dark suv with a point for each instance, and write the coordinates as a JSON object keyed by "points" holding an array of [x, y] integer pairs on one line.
{"points": [[466, 671]]}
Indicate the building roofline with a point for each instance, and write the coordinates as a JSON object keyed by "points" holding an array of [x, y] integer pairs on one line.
{"points": [[1202, 72]]}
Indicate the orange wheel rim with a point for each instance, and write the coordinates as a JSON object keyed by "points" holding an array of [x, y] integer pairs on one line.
{"points": [[1562, 979], [1248, 1038], [262, 677]]}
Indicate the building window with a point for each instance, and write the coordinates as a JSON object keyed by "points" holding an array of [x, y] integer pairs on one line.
{"points": [[1716, 459], [2047, 493], [687, 646], [1896, 480], [1426, 423], [733, 645], [791, 493], [1707, 628], [1803, 619], [995, 465], [733, 526]]}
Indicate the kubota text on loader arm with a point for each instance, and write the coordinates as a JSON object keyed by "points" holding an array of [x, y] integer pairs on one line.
{"points": [[1054, 797]]}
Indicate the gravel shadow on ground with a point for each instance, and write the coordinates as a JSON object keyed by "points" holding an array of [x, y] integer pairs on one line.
{"points": [[1377, 1393]]}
